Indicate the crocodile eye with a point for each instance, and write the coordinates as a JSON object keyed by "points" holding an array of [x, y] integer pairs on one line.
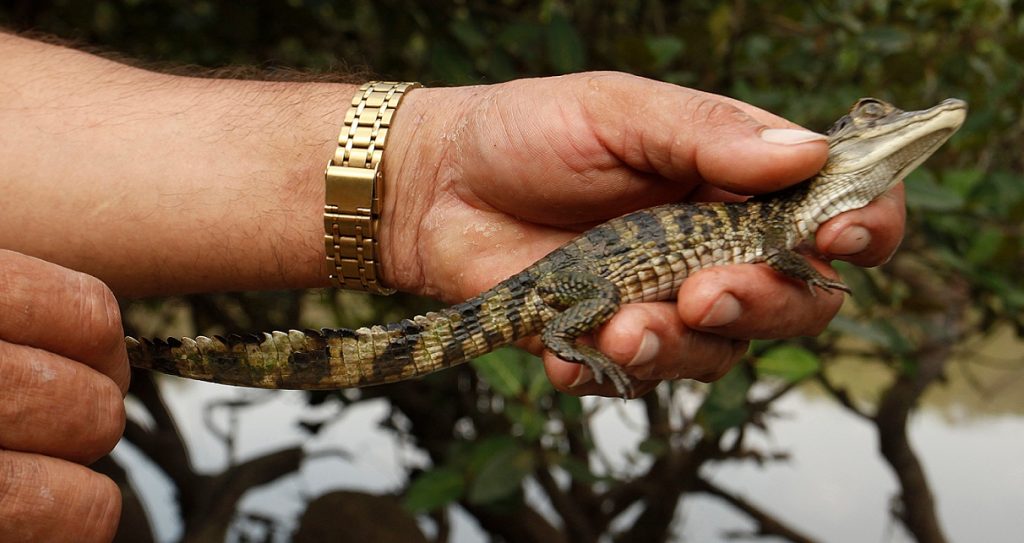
{"points": [[870, 109]]}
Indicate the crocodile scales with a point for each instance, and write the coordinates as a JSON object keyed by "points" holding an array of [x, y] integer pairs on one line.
{"points": [[640, 257]]}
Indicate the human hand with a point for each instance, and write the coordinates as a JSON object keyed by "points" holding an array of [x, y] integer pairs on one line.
{"points": [[63, 375], [490, 179]]}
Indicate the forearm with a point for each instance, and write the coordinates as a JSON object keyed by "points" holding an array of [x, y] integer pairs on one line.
{"points": [[158, 183]]}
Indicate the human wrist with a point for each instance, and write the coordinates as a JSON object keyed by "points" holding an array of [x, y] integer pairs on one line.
{"points": [[417, 168]]}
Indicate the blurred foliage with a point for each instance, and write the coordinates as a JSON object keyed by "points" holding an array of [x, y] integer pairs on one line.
{"points": [[489, 430]]}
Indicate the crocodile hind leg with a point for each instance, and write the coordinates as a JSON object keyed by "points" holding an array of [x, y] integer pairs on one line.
{"points": [[585, 301]]}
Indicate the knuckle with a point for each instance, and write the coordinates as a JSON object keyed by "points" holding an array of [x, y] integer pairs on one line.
{"points": [[100, 314], [23, 493], [8, 482], [18, 372], [111, 413], [724, 364], [711, 111], [41, 499], [104, 499], [16, 292], [82, 428], [108, 421], [24, 377], [601, 78]]}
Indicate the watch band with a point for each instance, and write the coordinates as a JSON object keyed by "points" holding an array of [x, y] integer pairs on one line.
{"points": [[354, 192]]}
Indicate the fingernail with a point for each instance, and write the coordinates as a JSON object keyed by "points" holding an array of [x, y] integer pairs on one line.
{"points": [[649, 347], [889, 258], [585, 376], [725, 310], [790, 136], [851, 241]]}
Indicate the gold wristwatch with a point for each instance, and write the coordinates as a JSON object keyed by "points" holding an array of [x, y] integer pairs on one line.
{"points": [[354, 188]]}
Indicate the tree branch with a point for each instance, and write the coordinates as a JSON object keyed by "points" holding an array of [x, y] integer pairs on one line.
{"points": [[767, 525], [218, 497], [841, 396], [580, 526], [163, 444]]}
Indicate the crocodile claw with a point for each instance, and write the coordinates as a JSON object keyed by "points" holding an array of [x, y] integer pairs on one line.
{"points": [[826, 285]]}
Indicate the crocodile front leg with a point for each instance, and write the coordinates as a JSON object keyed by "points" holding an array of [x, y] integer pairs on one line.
{"points": [[585, 301], [792, 264]]}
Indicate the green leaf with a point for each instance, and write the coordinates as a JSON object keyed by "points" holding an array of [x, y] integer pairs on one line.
{"points": [[538, 383], [565, 48], [925, 194], [847, 60], [481, 452], [571, 408], [789, 362], [664, 49], [908, 366], [962, 181], [879, 331], [653, 446], [450, 64], [520, 39], [895, 340], [866, 291], [726, 405], [468, 34], [501, 474], [578, 470], [498, 66], [530, 421], [984, 245], [862, 330], [503, 371], [720, 23], [886, 39], [434, 489]]}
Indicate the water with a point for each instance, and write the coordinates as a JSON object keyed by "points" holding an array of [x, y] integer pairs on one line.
{"points": [[835, 487]]}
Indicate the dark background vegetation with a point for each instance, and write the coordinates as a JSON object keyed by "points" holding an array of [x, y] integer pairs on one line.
{"points": [[490, 427]]}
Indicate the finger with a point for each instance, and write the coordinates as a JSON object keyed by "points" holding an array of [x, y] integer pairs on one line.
{"points": [[577, 379], [56, 407], [46, 499], [755, 302], [63, 311], [867, 236], [606, 143], [652, 342], [684, 132]]}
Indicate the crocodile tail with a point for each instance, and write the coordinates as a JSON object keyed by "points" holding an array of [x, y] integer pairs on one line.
{"points": [[343, 358], [293, 359]]}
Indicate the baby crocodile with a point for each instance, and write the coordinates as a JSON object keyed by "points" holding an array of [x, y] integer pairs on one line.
{"points": [[640, 257]]}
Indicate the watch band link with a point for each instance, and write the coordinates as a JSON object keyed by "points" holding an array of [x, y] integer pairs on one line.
{"points": [[354, 193]]}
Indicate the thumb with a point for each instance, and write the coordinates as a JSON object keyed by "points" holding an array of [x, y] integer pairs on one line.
{"points": [[685, 134]]}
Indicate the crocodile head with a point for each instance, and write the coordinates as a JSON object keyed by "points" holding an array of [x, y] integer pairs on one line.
{"points": [[876, 145], [871, 149]]}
